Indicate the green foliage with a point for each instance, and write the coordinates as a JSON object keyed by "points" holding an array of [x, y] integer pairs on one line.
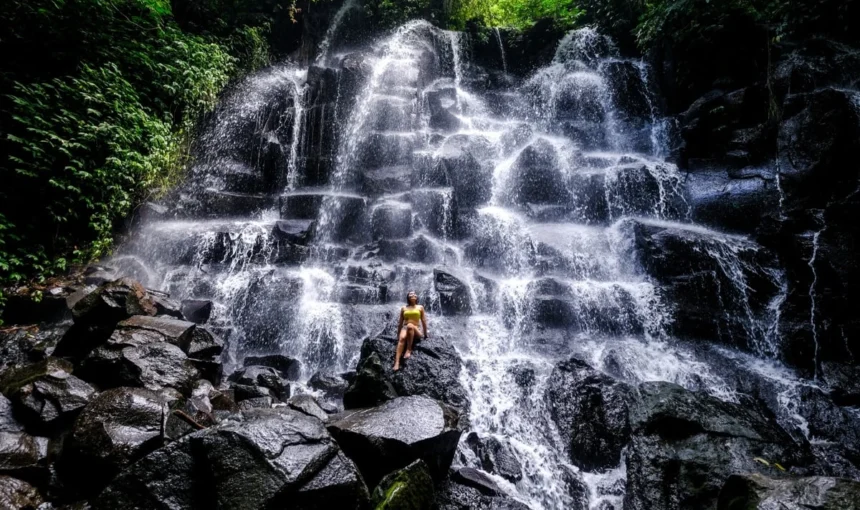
{"points": [[100, 98], [515, 13]]}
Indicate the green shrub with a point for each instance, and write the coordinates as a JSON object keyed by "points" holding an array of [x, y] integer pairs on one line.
{"points": [[100, 98], [515, 13]]}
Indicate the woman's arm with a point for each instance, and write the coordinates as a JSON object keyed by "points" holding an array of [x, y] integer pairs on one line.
{"points": [[400, 322], [424, 321]]}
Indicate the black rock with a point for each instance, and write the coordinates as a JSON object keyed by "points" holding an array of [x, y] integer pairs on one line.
{"points": [[165, 306], [844, 381], [331, 385], [452, 495], [117, 428], [289, 368], [293, 231], [250, 404], [538, 177], [166, 478], [471, 477], [263, 377], [204, 344], [242, 392], [496, 456], [142, 329], [112, 302], [138, 358], [260, 460], [47, 393], [757, 492], [385, 438], [685, 445], [337, 485], [454, 295], [98, 312], [591, 411], [23, 455], [370, 386], [308, 405], [196, 310], [25, 345], [433, 371], [410, 487], [18, 495]]}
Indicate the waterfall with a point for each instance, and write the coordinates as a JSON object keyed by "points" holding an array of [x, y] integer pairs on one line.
{"points": [[549, 205]]}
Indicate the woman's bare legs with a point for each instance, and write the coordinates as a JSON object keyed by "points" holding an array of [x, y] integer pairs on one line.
{"points": [[410, 336], [401, 343]]}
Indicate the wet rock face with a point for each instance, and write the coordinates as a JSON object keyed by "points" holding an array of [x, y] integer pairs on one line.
{"points": [[757, 492], [18, 494], [47, 393], [685, 445], [432, 371], [393, 435], [591, 411], [496, 456], [259, 459], [452, 495], [410, 487], [117, 428], [716, 285]]}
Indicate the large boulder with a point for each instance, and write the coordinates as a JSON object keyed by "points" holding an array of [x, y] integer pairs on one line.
{"points": [[117, 428], [143, 329], [757, 492], [496, 456], [261, 458], [720, 285], [140, 357], [98, 312], [389, 437], [21, 454], [264, 377], [454, 295], [453, 495], [433, 371], [410, 487], [591, 411], [684, 446], [331, 386], [289, 368], [47, 393], [18, 495], [537, 176]]}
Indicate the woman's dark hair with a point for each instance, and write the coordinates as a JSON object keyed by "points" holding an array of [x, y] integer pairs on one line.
{"points": [[407, 297]]}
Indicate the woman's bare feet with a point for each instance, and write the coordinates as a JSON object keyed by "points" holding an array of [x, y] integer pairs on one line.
{"points": [[396, 368], [407, 354]]}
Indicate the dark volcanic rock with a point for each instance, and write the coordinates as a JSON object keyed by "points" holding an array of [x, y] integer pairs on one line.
{"points": [[496, 456], [259, 459], [591, 411], [452, 495], [264, 377], [196, 310], [538, 177], [391, 436], [371, 385], [47, 393], [28, 344], [18, 495], [410, 487], [308, 405], [685, 445], [139, 358], [476, 479], [289, 368], [454, 296], [264, 458], [204, 344], [117, 428], [757, 492], [97, 313], [23, 455], [716, 282], [433, 371], [166, 478], [142, 329], [331, 385], [112, 302]]}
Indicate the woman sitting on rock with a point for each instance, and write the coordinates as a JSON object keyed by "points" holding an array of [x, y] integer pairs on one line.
{"points": [[410, 315]]}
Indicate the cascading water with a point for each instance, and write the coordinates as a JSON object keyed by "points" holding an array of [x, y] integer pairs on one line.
{"points": [[543, 203]]}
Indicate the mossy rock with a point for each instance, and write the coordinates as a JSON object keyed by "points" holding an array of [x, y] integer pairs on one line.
{"points": [[410, 488]]}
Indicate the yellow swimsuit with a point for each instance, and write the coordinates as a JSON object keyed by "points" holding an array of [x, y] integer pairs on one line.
{"points": [[411, 315]]}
